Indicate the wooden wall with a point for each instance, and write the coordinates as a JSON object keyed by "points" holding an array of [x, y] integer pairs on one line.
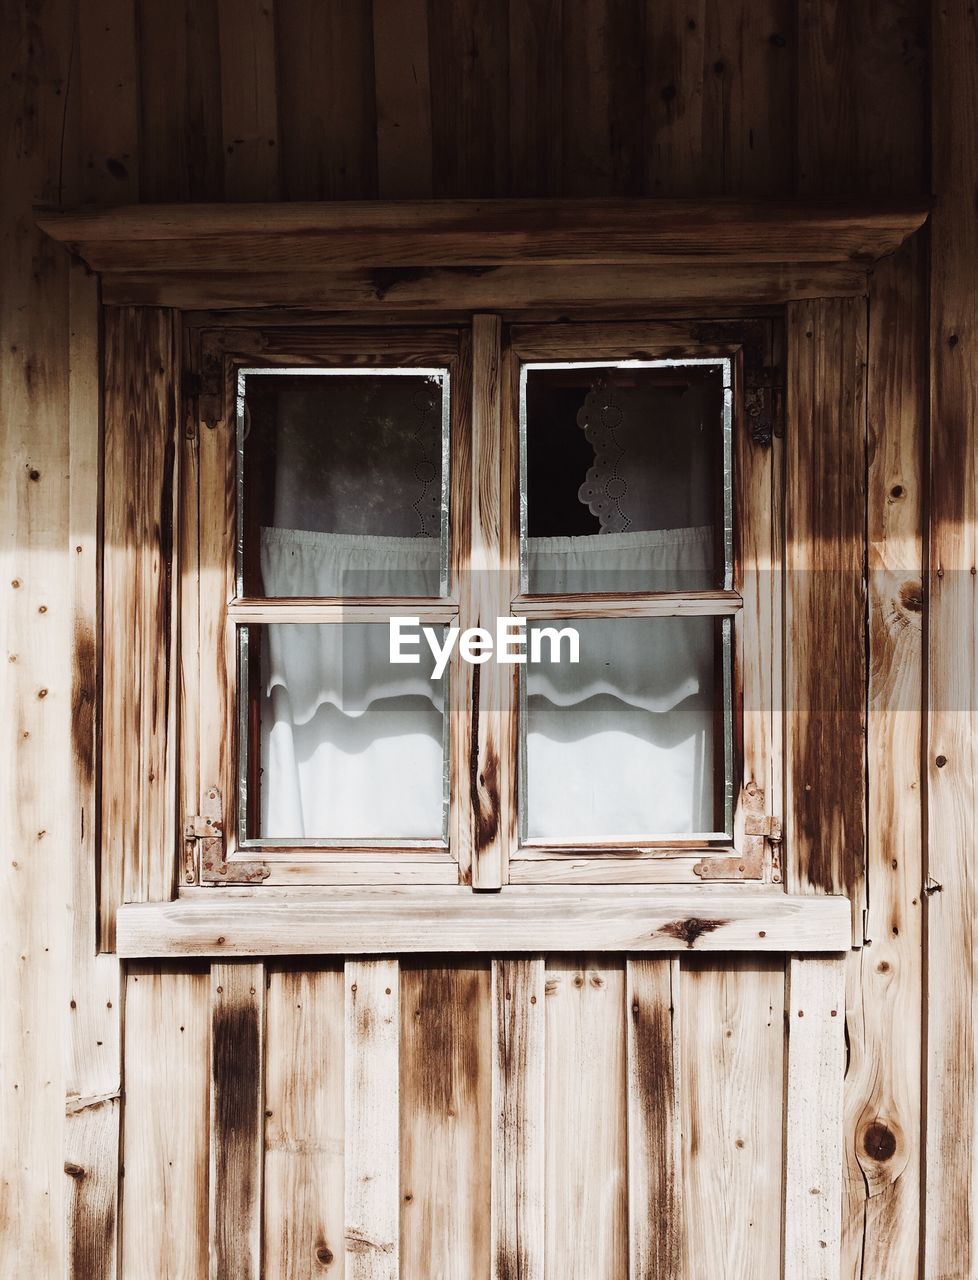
{"points": [[554, 1118], [167, 100]]}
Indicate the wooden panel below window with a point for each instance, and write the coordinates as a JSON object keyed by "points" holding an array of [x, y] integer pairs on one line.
{"points": [[548, 1117]]}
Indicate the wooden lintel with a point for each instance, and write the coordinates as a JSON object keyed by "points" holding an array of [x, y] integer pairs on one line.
{"points": [[259, 237], [401, 920]]}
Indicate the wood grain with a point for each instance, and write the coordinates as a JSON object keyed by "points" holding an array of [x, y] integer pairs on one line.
{"points": [[181, 153], [402, 84], [513, 291], [951, 743], [166, 1123], [304, 1123], [883, 1081], [108, 104], [249, 99], [445, 1072], [138, 829], [825, 600], [469, 49], [732, 1073], [536, 90], [352, 233], [237, 1120], [93, 1077], [846, 54], [372, 1197], [585, 1133], [37, 773], [484, 720], [601, 54], [814, 1012], [326, 98], [517, 1226], [656, 1234], [531, 918]]}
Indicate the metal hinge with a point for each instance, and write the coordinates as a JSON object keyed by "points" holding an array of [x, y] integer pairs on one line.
{"points": [[204, 857], [770, 830], [760, 858]]}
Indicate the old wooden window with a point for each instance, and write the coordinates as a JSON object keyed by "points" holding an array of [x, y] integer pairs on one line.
{"points": [[619, 480]]}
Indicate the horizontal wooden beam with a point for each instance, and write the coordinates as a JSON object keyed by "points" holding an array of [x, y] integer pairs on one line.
{"points": [[513, 291], [663, 604], [438, 233], [401, 920], [265, 612]]}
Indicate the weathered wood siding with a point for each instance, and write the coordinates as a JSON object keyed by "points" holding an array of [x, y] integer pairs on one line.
{"points": [[118, 100], [542, 1118]]}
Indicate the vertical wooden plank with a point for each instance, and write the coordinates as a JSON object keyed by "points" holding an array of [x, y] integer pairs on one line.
{"points": [[517, 1227], [535, 97], [187, 591], [304, 1125], [139, 692], [445, 1127], [181, 151], [603, 93], [215, 524], [249, 103], [36, 608], [485, 726], [327, 105], [758, 478], [815, 1013], [748, 82], [164, 1205], [951, 1176], [674, 99], [372, 1198], [237, 1120], [656, 1232], [732, 1077], [586, 1208], [93, 1070], [883, 1105], [852, 58], [403, 89], [469, 52], [719, 98], [825, 599], [108, 103]]}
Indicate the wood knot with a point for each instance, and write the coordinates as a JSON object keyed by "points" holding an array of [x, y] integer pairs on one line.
{"points": [[74, 1170], [689, 930], [912, 597], [879, 1142], [324, 1255]]}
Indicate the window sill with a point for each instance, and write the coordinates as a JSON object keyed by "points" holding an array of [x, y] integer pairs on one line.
{"points": [[404, 920]]}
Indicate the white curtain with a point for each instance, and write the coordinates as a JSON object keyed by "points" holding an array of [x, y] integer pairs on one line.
{"points": [[619, 744]]}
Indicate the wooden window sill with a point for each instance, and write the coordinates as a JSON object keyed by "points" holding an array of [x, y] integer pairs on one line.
{"points": [[404, 920]]}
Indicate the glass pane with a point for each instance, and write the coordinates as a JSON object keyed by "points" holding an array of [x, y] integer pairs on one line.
{"points": [[338, 743], [343, 482], [632, 740], [626, 476]]}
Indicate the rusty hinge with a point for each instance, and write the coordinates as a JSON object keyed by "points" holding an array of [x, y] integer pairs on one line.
{"points": [[204, 858], [761, 856]]}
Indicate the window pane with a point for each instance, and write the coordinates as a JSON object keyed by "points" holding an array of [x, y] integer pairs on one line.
{"points": [[337, 742], [634, 739], [626, 476], [343, 482]]}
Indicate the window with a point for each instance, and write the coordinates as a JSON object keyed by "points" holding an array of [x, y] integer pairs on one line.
{"points": [[608, 487]]}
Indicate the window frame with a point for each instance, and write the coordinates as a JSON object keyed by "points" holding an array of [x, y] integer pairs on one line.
{"points": [[484, 848]]}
